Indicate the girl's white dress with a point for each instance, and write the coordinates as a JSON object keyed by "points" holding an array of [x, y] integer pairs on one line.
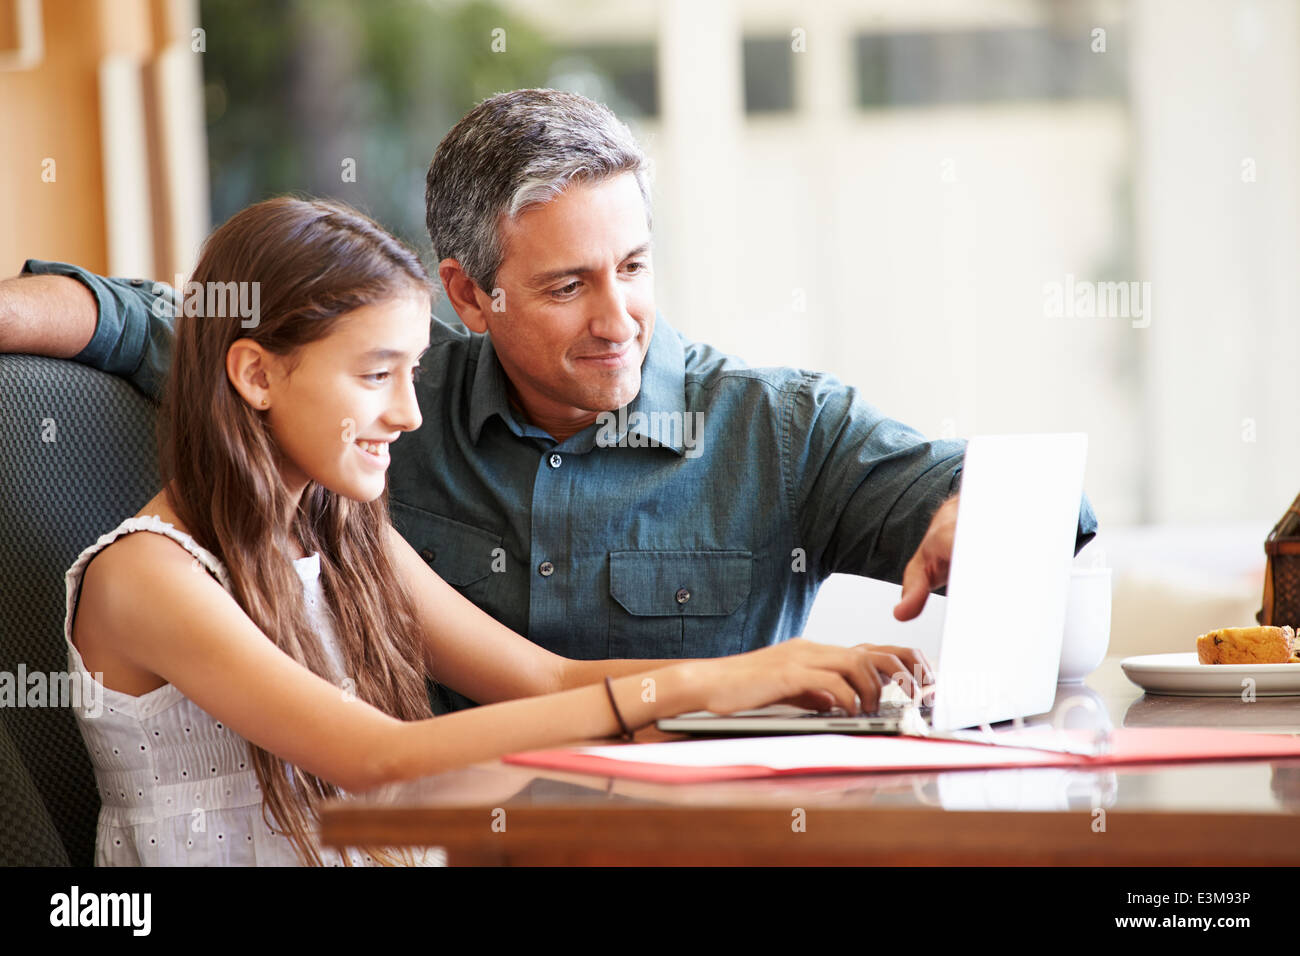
{"points": [[178, 787]]}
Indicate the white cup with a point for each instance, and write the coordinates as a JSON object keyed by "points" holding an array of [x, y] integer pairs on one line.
{"points": [[1087, 623]]}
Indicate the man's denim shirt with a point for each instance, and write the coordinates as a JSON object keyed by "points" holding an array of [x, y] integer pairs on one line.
{"points": [[701, 527]]}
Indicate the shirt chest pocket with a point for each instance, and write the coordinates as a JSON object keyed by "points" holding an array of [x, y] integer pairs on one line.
{"points": [[462, 555], [678, 603]]}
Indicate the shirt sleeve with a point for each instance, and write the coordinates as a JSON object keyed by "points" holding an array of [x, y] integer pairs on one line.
{"points": [[133, 330], [864, 486]]}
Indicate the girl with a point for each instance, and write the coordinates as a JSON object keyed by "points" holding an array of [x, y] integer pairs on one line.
{"points": [[267, 647]]}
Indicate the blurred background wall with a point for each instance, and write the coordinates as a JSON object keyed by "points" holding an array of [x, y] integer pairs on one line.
{"points": [[913, 196], [103, 159]]}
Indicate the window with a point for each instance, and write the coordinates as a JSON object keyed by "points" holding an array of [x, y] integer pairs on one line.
{"points": [[984, 66], [623, 76], [769, 74]]}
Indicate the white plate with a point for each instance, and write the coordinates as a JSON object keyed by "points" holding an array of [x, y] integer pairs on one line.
{"points": [[1184, 676]]}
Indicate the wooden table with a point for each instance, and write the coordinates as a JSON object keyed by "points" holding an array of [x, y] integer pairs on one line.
{"points": [[1224, 813]]}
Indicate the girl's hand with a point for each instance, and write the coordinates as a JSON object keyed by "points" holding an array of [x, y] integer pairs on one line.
{"points": [[811, 675]]}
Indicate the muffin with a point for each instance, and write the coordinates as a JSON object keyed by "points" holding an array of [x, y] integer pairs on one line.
{"points": [[1248, 645]]}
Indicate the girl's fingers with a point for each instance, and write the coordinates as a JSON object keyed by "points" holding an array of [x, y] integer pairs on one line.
{"points": [[834, 684], [816, 700], [913, 660], [866, 678], [856, 665], [867, 666], [892, 668]]}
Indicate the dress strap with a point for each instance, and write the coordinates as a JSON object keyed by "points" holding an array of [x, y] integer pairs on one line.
{"points": [[202, 557], [167, 694]]}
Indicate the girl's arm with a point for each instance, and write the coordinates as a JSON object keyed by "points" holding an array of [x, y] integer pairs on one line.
{"points": [[476, 655], [190, 632]]}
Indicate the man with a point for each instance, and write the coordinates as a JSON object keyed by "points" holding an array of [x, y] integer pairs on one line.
{"points": [[584, 473]]}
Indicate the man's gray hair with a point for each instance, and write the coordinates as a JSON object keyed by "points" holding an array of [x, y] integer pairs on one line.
{"points": [[512, 151]]}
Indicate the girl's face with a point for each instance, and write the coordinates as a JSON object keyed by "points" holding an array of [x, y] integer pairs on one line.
{"points": [[350, 395]]}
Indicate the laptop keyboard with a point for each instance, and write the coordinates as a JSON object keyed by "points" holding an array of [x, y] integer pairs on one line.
{"points": [[886, 709]]}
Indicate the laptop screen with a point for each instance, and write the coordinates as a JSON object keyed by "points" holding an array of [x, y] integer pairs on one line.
{"points": [[1009, 578]]}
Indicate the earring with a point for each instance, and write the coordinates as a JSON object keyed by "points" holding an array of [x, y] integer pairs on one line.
{"points": [[265, 402]]}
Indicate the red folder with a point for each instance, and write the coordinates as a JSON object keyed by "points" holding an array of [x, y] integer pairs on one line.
{"points": [[1131, 745]]}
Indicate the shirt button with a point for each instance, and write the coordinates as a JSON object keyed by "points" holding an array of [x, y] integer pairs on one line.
{"points": [[683, 595], [546, 569], [426, 554], [555, 461]]}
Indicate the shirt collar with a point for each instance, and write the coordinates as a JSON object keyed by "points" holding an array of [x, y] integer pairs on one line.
{"points": [[663, 390], [663, 393], [488, 395]]}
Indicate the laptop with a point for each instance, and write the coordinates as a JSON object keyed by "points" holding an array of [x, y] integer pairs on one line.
{"points": [[1008, 580]]}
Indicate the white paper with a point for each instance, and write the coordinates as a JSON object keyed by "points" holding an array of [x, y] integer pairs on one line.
{"points": [[814, 751]]}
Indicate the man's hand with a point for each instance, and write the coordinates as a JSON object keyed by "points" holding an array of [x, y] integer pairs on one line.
{"points": [[928, 568]]}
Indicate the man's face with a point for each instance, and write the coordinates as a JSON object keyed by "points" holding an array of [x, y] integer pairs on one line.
{"points": [[578, 298]]}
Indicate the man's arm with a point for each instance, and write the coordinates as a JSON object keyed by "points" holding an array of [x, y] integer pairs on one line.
{"points": [[875, 498], [46, 315], [864, 487], [119, 326]]}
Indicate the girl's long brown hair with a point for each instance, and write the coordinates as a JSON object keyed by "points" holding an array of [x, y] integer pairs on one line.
{"points": [[314, 261]]}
